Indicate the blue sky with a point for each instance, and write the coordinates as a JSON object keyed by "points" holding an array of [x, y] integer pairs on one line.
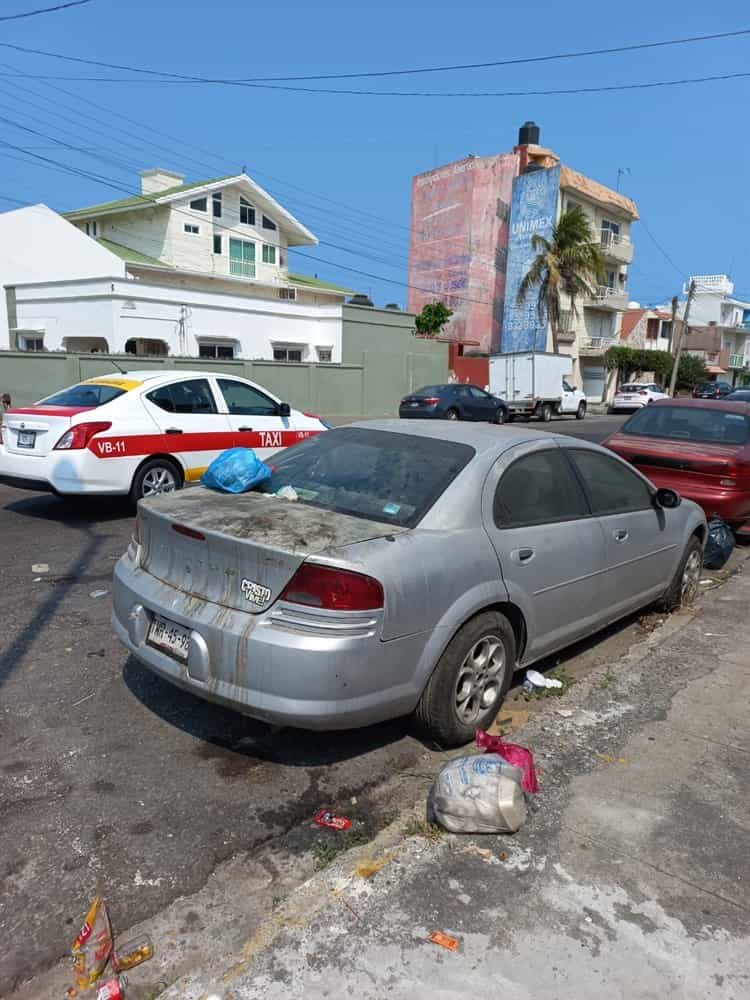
{"points": [[687, 148]]}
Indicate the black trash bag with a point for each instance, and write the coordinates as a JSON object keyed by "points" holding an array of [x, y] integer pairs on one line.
{"points": [[719, 544]]}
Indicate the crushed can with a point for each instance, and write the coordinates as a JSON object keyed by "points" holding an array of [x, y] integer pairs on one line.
{"points": [[126, 956], [113, 989]]}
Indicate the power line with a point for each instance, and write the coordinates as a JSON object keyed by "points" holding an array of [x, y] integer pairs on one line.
{"points": [[385, 73], [661, 250], [45, 10], [440, 94]]}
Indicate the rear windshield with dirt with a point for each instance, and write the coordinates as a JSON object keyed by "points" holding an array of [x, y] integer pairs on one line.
{"points": [[687, 423], [382, 476], [87, 394]]}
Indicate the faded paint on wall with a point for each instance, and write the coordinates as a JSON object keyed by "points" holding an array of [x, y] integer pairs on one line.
{"points": [[459, 241], [533, 212]]}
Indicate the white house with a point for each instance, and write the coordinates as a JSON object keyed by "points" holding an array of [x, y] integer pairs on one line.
{"points": [[187, 269]]}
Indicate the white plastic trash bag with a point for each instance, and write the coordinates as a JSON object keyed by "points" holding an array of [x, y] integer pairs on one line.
{"points": [[478, 794]]}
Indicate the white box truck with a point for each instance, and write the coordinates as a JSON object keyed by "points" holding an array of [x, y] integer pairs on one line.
{"points": [[536, 384]]}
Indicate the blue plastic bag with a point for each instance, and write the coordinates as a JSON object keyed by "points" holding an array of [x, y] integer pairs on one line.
{"points": [[719, 544], [235, 470]]}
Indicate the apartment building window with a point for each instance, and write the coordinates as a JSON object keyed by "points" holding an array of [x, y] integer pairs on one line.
{"points": [[220, 352], [611, 227], [32, 343], [288, 293], [287, 354], [325, 354], [269, 254], [91, 229], [247, 213], [242, 258], [217, 243], [199, 204], [191, 229], [216, 204], [269, 223]]}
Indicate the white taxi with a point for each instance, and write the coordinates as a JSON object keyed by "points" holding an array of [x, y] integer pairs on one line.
{"points": [[142, 433]]}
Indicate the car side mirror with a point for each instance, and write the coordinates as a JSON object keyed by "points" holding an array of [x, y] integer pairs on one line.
{"points": [[285, 410], [667, 498]]}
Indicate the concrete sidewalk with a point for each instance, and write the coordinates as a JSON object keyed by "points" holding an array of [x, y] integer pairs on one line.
{"points": [[630, 878]]}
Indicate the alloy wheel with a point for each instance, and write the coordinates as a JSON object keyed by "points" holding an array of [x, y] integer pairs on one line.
{"points": [[160, 479], [480, 678], [690, 578]]}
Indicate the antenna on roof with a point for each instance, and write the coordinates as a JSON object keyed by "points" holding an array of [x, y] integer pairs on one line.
{"points": [[244, 168], [118, 366]]}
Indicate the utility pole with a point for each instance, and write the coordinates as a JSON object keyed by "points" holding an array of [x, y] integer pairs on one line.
{"points": [[679, 340], [673, 327]]}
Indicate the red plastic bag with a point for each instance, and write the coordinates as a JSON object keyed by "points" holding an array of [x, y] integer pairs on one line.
{"points": [[517, 755]]}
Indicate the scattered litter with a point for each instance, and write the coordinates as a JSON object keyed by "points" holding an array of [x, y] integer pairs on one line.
{"points": [[719, 544], [113, 989], [324, 817], [715, 635], [514, 754], [564, 712], [350, 908], [98, 593], [81, 700], [287, 493], [704, 582], [354, 800], [608, 758], [503, 856], [92, 946], [444, 940], [39, 568], [536, 680], [236, 470], [588, 920], [37, 579], [132, 953], [366, 869], [483, 852], [479, 794]]}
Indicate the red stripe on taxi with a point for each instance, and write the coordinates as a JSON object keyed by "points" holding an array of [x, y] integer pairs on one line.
{"points": [[114, 446], [48, 411]]}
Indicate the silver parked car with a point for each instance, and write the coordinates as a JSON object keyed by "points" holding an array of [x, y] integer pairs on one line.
{"points": [[416, 570]]}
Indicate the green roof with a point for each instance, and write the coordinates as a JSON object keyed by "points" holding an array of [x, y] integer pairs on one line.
{"points": [[139, 200], [302, 279], [131, 256]]}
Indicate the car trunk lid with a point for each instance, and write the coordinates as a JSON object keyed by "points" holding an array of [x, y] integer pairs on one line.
{"points": [[35, 430], [675, 462], [240, 551]]}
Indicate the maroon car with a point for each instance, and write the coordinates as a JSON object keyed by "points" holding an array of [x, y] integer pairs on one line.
{"points": [[698, 447]]}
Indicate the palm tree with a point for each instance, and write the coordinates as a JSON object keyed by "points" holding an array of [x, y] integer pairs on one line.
{"points": [[570, 263]]}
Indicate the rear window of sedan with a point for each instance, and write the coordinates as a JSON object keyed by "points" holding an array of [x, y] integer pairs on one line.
{"points": [[382, 476], [86, 394], [688, 423], [634, 387]]}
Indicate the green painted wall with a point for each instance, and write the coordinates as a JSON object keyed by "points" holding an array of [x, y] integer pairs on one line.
{"points": [[382, 361]]}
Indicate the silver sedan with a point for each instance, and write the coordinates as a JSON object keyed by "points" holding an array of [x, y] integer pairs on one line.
{"points": [[399, 570]]}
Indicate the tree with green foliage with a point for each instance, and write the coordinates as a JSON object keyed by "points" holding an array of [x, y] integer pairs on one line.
{"points": [[631, 362], [570, 263], [432, 319]]}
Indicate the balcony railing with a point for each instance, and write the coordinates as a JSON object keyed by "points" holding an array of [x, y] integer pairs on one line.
{"points": [[597, 345], [610, 239], [616, 246], [609, 298], [242, 268]]}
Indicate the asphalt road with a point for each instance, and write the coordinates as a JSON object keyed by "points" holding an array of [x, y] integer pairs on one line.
{"points": [[113, 781]]}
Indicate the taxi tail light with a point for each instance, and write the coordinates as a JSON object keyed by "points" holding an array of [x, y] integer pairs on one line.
{"points": [[80, 434], [333, 589]]}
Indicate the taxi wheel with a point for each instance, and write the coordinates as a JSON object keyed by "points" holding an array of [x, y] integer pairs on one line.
{"points": [[158, 475]]}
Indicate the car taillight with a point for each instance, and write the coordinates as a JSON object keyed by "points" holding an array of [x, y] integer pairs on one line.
{"points": [[431, 400], [182, 529], [333, 589], [80, 435]]}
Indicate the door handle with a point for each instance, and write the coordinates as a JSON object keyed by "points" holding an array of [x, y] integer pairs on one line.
{"points": [[244, 428], [621, 535], [522, 555], [173, 430]]}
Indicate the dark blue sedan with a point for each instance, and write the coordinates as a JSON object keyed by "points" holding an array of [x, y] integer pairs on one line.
{"points": [[453, 401]]}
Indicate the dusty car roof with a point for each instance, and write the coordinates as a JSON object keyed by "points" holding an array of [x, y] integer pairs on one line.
{"points": [[481, 437], [727, 405]]}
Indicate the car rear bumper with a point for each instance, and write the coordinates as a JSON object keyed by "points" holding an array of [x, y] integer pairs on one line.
{"points": [[732, 506], [406, 413], [64, 472], [627, 404], [260, 667]]}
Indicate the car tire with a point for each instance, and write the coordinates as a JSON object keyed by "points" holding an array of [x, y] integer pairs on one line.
{"points": [[153, 472], [545, 413], [470, 681], [581, 411], [452, 414], [501, 415], [611, 410], [685, 585]]}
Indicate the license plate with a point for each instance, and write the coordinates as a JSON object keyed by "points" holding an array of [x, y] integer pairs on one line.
{"points": [[415, 404], [26, 439], [170, 637]]}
